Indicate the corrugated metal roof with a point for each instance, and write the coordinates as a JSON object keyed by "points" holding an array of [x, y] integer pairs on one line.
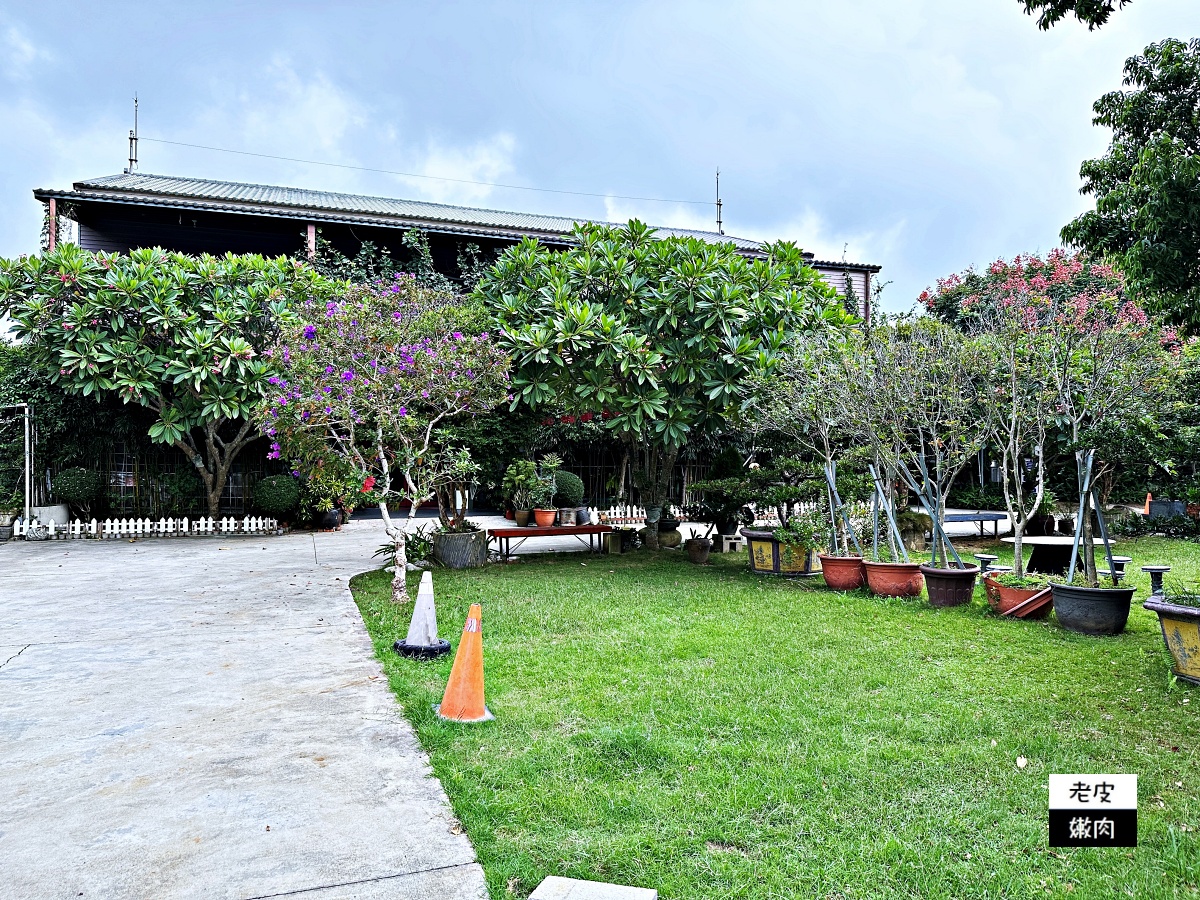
{"points": [[231, 192]]}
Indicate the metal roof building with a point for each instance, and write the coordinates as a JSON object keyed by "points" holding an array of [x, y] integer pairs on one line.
{"points": [[195, 215]]}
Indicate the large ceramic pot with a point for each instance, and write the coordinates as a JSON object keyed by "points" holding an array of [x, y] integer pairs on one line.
{"points": [[583, 516], [544, 517], [6, 519], [1181, 630], [521, 517], [6, 532], [566, 515], [1089, 610], [698, 550], [888, 579], [328, 520], [461, 550], [1002, 599], [769, 556], [950, 587], [1042, 526], [843, 573]]}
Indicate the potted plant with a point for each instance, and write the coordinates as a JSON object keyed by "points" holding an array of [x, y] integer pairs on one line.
{"points": [[909, 388], [1007, 590], [10, 508], [723, 503], [699, 548], [1092, 609], [545, 513], [520, 481], [458, 543], [788, 549], [568, 495], [1179, 618]]}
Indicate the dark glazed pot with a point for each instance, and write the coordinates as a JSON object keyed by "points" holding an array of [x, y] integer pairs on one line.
{"points": [[950, 587], [698, 550], [843, 573], [461, 550], [888, 579], [1089, 610], [521, 517]]}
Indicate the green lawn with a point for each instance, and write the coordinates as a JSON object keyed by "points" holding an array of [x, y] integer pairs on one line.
{"points": [[717, 734]]}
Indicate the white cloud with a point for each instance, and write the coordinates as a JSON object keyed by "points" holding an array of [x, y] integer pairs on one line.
{"points": [[19, 54], [810, 230], [486, 160]]}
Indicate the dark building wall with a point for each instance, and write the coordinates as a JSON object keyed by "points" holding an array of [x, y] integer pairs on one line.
{"points": [[118, 229]]}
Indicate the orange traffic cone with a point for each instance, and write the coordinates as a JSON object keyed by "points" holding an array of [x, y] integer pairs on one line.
{"points": [[463, 700]]}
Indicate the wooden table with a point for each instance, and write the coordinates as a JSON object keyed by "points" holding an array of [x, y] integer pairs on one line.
{"points": [[504, 537], [1051, 554]]}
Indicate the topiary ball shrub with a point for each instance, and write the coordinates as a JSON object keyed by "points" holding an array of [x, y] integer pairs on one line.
{"points": [[277, 495], [78, 486], [568, 490]]}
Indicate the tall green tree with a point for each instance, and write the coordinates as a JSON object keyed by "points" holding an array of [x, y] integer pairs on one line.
{"points": [[1147, 185], [185, 337], [1092, 13], [660, 337]]}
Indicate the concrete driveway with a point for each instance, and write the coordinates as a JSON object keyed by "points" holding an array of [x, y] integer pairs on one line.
{"points": [[204, 717]]}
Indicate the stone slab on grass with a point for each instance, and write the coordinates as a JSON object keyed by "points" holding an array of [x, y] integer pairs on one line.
{"points": [[555, 888]]}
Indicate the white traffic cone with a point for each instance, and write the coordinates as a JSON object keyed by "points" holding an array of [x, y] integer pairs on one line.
{"points": [[422, 641]]}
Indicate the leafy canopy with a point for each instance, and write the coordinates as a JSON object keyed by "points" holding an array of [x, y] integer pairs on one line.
{"points": [[662, 335], [181, 335], [1092, 13], [1147, 185]]}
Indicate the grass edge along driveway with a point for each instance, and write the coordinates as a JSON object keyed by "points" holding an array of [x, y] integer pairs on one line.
{"points": [[717, 734]]}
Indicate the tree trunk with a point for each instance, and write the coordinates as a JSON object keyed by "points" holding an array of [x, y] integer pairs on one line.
{"points": [[1018, 560], [399, 555]]}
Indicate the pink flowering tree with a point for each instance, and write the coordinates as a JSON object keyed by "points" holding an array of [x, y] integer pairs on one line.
{"points": [[1073, 355], [371, 378]]}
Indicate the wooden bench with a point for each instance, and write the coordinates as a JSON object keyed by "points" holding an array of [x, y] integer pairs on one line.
{"points": [[981, 517], [504, 537]]}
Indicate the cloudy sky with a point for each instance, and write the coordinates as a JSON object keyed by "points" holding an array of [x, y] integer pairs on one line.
{"points": [[922, 135]]}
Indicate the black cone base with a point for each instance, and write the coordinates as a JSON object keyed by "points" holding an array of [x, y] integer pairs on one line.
{"points": [[441, 648]]}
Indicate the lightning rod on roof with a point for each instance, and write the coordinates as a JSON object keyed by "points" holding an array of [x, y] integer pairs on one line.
{"points": [[720, 230], [133, 138]]}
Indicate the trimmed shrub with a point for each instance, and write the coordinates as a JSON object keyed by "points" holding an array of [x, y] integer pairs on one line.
{"points": [[568, 489], [277, 495], [77, 486]]}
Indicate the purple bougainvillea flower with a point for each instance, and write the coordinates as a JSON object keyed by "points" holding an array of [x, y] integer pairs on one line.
{"points": [[403, 411], [329, 370], [310, 332], [347, 376], [274, 379]]}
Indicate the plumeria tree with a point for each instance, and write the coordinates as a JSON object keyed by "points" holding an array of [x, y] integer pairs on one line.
{"points": [[664, 334], [183, 336], [371, 377]]}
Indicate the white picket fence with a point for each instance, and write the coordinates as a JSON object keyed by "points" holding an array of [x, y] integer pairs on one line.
{"points": [[134, 528], [636, 515]]}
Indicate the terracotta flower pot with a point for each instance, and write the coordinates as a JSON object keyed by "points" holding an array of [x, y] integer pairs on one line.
{"points": [[1088, 610], [950, 587], [544, 517], [888, 579], [843, 573], [1002, 599]]}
